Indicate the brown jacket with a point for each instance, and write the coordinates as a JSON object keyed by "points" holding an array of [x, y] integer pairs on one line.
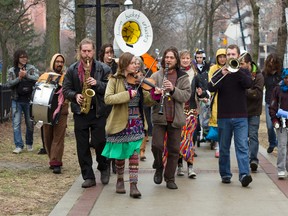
{"points": [[180, 96]]}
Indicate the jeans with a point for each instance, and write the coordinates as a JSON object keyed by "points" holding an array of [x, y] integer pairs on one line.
{"points": [[238, 126], [253, 127], [282, 160], [270, 129], [17, 109]]}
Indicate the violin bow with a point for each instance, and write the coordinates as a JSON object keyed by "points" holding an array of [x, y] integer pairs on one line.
{"points": [[148, 69]]}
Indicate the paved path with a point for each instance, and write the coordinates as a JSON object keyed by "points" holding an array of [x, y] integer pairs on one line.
{"points": [[206, 195]]}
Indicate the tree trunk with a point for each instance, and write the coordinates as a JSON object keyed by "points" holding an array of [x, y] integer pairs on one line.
{"points": [[80, 22], [282, 33], [52, 29], [256, 38], [5, 59]]}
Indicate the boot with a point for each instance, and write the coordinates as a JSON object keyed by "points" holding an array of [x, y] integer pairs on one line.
{"points": [[120, 165], [142, 149], [120, 187], [134, 192]]}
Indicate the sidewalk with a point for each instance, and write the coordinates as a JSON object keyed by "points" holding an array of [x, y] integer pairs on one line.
{"points": [[206, 195]]}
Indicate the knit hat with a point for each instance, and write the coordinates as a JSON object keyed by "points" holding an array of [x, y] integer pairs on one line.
{"points": [[284, 73]]}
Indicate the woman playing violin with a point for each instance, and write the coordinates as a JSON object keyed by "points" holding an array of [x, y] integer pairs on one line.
{"points": [[124, 127]]}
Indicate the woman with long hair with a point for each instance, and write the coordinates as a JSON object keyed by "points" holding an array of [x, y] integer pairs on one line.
{"points": [[124, 127], [272, 76]]}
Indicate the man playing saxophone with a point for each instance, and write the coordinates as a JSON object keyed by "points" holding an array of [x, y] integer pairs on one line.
{"points": [[84, 85]]}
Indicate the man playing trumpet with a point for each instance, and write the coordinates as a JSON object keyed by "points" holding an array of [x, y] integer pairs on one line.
{"points": [[232, 117]]}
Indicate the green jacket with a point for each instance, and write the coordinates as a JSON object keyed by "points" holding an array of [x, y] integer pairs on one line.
{"points": [[180, 96], [119, 97]]}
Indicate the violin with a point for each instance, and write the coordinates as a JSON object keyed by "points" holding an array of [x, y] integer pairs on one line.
{"points": [[137, 78]]}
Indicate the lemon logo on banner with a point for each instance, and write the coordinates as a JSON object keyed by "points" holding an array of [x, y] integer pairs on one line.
{"points": [[133, 32]]}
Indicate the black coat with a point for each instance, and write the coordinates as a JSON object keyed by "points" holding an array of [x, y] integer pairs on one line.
{"points": [[73, 86]]}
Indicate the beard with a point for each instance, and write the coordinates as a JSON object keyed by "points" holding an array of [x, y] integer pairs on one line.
{"points": [[58, 69]]}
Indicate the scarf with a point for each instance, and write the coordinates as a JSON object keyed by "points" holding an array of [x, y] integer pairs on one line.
{"points": [[81, 72], [186, 68]]}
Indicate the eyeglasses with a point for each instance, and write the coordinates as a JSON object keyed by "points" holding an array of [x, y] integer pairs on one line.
{"points": [[23, 57], [59, 62]]}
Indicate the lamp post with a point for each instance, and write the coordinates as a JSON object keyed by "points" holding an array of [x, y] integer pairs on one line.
{"points": [[98, 21], [199, 42], [128, 4]]}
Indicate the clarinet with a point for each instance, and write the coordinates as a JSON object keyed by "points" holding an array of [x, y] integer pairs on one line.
{"points": [[164, 94]]}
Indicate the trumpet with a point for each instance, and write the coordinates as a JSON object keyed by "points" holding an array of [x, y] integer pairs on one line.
{"points": [[232, 65]]}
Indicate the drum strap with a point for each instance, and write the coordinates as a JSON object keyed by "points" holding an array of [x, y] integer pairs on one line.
{"points": [[51, 81]]}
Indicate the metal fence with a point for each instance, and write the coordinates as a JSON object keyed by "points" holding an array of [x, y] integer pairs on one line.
{"points": [[5, 103]]}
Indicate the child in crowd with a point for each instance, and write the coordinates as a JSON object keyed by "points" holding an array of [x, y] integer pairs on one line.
{"points": [[278, 111]]}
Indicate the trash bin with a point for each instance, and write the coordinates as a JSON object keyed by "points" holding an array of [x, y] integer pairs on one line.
{"points": [[5, 103]]}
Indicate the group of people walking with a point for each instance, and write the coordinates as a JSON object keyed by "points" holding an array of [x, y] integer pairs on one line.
{"points": [[109, 112]]}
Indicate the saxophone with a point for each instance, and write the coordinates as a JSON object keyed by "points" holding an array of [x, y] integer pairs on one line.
{"points": [[87, 92]]}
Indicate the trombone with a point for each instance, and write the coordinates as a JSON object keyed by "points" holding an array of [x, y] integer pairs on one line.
{"points": [[232, 64]]}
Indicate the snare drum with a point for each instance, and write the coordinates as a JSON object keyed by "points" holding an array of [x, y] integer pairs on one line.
{"points": [[44, 102]]}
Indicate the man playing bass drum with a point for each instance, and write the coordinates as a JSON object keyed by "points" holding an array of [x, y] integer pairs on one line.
{"points": [[54, 134]]}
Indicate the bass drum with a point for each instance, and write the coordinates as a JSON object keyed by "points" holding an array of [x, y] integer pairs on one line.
{"points": [[44, 103]]}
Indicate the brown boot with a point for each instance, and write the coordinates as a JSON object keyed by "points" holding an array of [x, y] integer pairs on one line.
{"points": [[120, 187], [134, 192]]}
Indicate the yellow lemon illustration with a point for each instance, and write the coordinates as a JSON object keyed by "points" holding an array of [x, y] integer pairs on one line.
{"points": [[131, 32]]}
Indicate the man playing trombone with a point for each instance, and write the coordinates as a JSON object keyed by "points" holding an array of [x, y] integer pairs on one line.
{"points": [[231, 84]]}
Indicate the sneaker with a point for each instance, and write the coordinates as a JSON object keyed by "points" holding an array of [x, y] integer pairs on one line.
{"points": [[180, 171], [254, 166], [17, 150], [191, 173], [226, 180], [29, 148], [281, 175], [246, 180]]}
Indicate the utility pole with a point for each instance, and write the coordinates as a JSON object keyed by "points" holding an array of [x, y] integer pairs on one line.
{"points": [[241, 26]]}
